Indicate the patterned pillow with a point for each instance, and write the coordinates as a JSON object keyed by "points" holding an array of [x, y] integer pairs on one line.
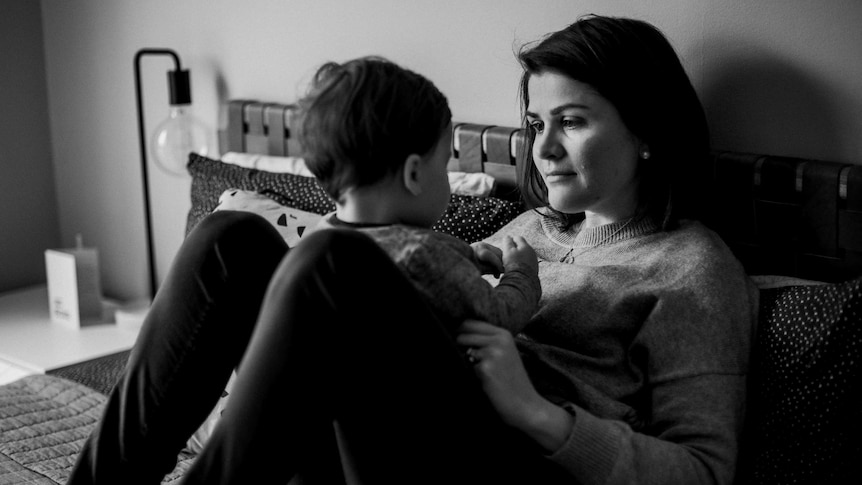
{"points": [[468, 217], [474, 218], [210, 178], [291, 223], [805, 399]]}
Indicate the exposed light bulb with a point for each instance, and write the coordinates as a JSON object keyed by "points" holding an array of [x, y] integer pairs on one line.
{"points": [[177, 136]]}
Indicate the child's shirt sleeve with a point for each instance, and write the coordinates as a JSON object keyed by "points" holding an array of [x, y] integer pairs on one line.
{"points": [[446, 271]]}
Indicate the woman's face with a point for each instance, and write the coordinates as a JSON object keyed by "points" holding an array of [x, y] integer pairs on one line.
{"points": [[584, 152]]}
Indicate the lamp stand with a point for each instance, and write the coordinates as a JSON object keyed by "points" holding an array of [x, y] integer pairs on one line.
{"points": [[178, 81]]}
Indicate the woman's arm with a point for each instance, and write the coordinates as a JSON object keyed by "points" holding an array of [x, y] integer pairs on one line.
{"points": [[694, 418], [504, 379]]}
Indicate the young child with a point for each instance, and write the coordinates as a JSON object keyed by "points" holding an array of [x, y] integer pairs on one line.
{"points": [[378, 138]]}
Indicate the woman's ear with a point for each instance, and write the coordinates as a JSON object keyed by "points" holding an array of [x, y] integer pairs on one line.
{"points": [[412, 174], [644, 151]]}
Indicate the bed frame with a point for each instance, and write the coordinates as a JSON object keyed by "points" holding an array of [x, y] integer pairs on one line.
{"points": [[780, 215]]}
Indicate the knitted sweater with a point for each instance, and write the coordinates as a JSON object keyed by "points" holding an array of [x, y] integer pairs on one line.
{"points": [[644, 337], [445, 270]]}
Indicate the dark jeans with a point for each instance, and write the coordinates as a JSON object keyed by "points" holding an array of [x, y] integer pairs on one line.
{"points": [[344, 373]]}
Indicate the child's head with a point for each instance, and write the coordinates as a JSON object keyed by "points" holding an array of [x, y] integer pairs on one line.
{"points": [[362, 119]]}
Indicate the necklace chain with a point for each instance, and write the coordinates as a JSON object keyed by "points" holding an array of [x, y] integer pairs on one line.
{"points": [[602, 241]]}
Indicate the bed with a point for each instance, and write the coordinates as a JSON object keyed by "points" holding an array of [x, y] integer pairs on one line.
{"points": [[795, 224]]}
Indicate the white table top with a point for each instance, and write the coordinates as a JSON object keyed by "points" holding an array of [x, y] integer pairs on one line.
{"points": [[29, 339]]}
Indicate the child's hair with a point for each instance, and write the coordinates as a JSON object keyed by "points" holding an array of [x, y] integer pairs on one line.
{"points": [[632, 65], [363, 118]]}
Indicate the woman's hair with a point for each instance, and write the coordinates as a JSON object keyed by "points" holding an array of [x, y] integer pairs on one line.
{"points": [[632, 65], [363, 118]]}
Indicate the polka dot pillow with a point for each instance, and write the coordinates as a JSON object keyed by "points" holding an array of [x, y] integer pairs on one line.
{"points": [[474, 218], [210, 178], [468, 217], [806, 395]]}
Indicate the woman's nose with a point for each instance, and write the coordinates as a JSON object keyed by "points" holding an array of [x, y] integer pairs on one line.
{"points": [[546, 147]]}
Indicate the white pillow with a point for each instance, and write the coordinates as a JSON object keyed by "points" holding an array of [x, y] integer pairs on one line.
{"points": [[764, 282], [196, 443], [291, 223], [478, 184], [268, 163]]}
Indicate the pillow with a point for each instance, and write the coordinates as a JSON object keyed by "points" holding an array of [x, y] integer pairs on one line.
{"points": [[195, 444], [473, 218], [468, 217], [268, 163], [291, 223], [210, 178], [775, 281], [806, 409], [476, 183]]}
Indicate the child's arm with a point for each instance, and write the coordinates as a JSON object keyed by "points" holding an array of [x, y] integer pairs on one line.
{"points": [[518, 255], [489, 258], [454, 282], [520, 278]]}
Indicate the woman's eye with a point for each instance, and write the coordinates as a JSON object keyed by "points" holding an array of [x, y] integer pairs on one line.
{"points": [[573, 122], [537, 126]]}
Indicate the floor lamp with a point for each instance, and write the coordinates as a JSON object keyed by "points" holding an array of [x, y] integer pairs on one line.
{"points": [[172, 141]]}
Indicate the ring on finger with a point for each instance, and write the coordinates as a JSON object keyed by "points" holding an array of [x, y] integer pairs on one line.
{"points": [[471, 355]]}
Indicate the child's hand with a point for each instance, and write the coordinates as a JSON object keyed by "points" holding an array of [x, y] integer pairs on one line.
{"points": [[490, 258], [517, 252]]}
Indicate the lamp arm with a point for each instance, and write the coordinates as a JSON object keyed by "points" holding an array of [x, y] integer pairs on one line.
{"points": [[165, 52], [143, 147]]}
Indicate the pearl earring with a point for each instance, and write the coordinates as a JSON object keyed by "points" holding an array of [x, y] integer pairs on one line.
{"points": [[645, 154]]}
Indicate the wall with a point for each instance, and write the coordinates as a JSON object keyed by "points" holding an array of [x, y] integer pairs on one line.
{"points": [[776, 76], [28, 207]]}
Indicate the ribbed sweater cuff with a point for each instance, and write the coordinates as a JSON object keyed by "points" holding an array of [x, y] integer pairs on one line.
{"points": [[591, 450]]}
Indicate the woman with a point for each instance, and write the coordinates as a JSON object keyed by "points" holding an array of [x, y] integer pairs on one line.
{"points": [[637, 358], [632, 370]]}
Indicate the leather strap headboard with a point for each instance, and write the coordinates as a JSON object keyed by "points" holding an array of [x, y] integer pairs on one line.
{"points": [[791, 216], [780, 216], [265, 128]]}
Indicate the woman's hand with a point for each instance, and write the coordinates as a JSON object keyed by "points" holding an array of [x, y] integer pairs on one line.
{"points": [[504, 379]]}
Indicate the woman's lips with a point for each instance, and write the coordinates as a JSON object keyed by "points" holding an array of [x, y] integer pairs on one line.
{"points": [[558, 176]]}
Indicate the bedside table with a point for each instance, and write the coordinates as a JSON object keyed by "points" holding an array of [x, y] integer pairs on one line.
{"points": [[31, 344]]}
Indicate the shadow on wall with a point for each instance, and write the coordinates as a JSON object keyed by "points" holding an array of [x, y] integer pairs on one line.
{"points": [[760, 103]]}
